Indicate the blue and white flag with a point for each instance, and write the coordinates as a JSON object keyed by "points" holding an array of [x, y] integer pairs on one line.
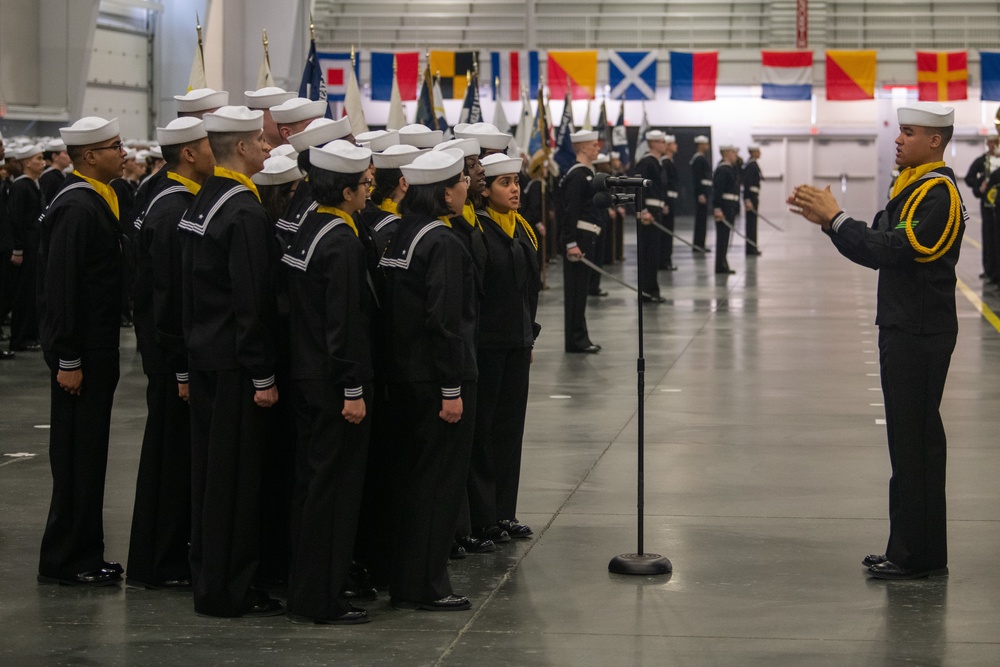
{"points": [[313, 86], [632, 75]]}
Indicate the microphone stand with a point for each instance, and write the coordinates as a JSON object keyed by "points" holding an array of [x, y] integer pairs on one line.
{"points": [[640, 563]]}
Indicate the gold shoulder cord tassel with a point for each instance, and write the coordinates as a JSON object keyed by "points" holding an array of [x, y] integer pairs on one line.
{"points": [[950, 230]]}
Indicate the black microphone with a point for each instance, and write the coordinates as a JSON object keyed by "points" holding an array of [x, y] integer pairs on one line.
{"points": [[605, 199], [604, 181]]}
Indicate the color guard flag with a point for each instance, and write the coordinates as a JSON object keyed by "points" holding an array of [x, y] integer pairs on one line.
{"points": [[515, 69], [632, 75], [313, 86], [565, 155], [407, 75], [989, 62], [850, 75], [787, 75], [452, 68], [353, 108], [573, 72], [471, 111], [942, 76], [335, 67], [619, 137], [693, 75]]}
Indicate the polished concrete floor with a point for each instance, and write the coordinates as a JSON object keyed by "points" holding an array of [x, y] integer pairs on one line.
{"points": [[766, 480]]}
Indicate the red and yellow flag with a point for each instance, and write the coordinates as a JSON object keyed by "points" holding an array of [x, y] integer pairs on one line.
{"points": [[572, 70], [942, 76], [850, 75]]}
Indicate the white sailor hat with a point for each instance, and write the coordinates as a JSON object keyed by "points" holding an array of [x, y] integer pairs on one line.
{"points": [[298, 109], [468, 146], [655, 135], [926, 114], [130, 153], [727, 147], [670, 139], [201, 99], [499, 163], [341, 157], [460, 127], [602, 158], [55, 145], [89, 130], [753, 147], [155, 152], [27, 150], [488, 135], [320, 131], [286, 150], [181, 131], [701, 139], [378, 140], [581, 136], [278, 170], [396, 156], [234, 119], [139, 155], [615, 155], [420, 136], [434, 167], [265, 98]]}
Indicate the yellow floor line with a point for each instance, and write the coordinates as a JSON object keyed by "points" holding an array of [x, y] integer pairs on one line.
{"points": [[974, 299]]}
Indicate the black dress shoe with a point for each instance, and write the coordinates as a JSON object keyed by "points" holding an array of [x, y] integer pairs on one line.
{"points": [[515, 529], [590, 349], [114, 567], [450, 603], [355, 592], [496, 534], [652, 299], [753, 253], [100, 577], [889, 570], [667, 267], [168, 585], [724, 272], [474, 545], [458, 552], [6, 354], [873, 559], [353, 617], [599, 292], [265, 605]]}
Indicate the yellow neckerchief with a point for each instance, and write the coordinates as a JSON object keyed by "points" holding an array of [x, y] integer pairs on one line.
{"points": [[508, 223], [337, 213], [446, 220], [107, 193], [242, 179], [951, 229], [469, 215], [911, 175], [192, 187], [389, 206]]}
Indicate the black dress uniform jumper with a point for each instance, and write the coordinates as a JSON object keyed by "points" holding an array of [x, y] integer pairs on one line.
{"points": [[751, 179], [161, 516], [917, 331], [80, 268], [577, 227], [330, 326], [701, 177], [977, 175], [228, 303], [302, 202], [25, 204], [725, 196], [671, 189], [50, 181], [431, 318], [648, 238], [507, 332]]}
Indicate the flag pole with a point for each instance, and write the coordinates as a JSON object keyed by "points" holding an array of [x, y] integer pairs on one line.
{"points": [[543, 134]]}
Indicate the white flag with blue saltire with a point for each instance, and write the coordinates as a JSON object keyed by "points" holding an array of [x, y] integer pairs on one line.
{"points": [[632, 75]]}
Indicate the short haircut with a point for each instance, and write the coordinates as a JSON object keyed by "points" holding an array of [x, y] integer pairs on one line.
{"points": [[224, 143], [327, 187], [946, 133], [172, 154], [76, 153]]}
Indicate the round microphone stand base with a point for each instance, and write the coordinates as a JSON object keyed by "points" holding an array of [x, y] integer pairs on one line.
{"points": [[642, 564]]}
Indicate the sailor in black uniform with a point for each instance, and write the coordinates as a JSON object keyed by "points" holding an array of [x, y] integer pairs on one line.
{"points": [[701, 178], [80, 269], [161, 516], [725, 204], [751, 180], [649, 238], [58, 161], [331, 374], [389, 190], [672, 186], [578, 230], [976, 178], [228, 260], [431, 317], [262, 100], [24, 204], [914, 245]]}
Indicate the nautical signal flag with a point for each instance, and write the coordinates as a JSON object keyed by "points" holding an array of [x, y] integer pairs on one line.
{"points": [[942, 76], [572, 71], [514, 69], [632, 75], [453, 68], [693, 75], [787, 75], [989, 62], [407, 75], [335, 67], [850, 75]]}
